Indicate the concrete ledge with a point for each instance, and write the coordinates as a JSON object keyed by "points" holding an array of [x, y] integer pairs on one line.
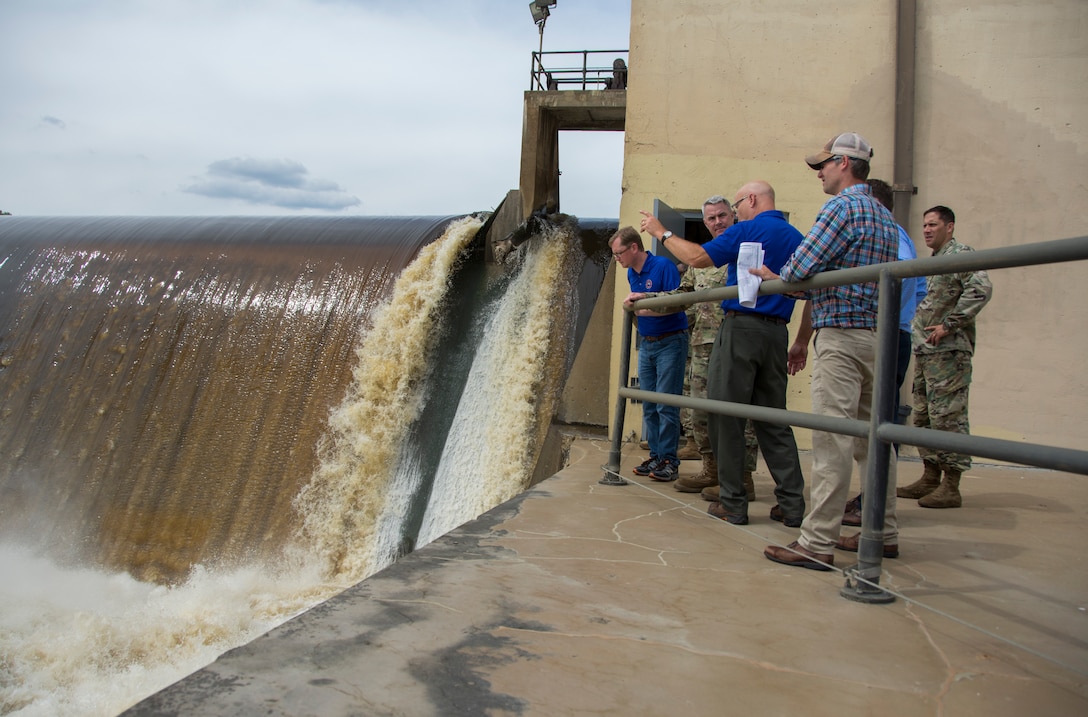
{"points": [[577, 599]]}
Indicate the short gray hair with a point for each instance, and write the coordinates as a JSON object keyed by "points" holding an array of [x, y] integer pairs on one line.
{"points": [[716, 199]]}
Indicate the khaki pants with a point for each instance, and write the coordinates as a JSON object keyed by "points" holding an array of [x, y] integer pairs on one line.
{"points": [[844, 362]]}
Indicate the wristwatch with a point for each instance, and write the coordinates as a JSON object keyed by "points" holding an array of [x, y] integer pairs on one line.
{"points": [[665, 237]]}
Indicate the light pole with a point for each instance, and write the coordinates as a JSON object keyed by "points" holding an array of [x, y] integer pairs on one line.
{"points": [[540, 11]]}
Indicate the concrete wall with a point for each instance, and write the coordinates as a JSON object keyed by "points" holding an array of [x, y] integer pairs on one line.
{"points": [[585, 395], [721, 93]]}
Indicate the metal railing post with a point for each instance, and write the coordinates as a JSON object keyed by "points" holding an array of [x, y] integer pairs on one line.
{"points": [[862, 581], [612, 468]]}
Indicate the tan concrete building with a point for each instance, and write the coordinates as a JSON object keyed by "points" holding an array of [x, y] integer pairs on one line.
{"points": [[723, 92]]}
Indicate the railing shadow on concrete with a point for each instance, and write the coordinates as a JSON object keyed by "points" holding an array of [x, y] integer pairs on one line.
{"points": [[570, 70], [863, 581]]}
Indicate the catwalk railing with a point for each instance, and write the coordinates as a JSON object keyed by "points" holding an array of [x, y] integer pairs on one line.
{"points": [[571, 70], [881, 431]]}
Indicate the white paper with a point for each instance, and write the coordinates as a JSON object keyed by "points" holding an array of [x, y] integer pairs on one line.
{"points": [[749, 257]]}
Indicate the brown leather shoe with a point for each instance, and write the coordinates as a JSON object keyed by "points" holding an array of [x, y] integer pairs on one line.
{"points": [[796, 555], [851, 514], [718, 511], [790, 521], [850, 544]]}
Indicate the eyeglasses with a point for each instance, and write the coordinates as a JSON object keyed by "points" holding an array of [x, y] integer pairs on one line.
{"points": [[740, 201], [621, 252]]}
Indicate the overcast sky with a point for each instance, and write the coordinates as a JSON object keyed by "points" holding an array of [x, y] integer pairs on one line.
{"points": [[274, 107]]}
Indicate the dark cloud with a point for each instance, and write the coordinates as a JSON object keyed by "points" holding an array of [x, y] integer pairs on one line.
{"points": [[274, 182], [53, 122]]}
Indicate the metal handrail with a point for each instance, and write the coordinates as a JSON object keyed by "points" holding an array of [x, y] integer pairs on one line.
{"points": [[881, 430], [583, 75]]}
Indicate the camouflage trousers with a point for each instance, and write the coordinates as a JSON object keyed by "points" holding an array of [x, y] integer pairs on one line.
{"points": [[941, 384], [695, 422]]}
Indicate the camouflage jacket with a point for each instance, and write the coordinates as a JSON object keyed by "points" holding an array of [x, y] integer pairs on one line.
{"points": [[953, 300], [705, 317]]}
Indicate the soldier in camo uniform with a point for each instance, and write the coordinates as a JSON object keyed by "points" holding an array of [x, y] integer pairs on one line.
{"points": [[707, 317], [943, 339], [746, 362], [704, 320]]}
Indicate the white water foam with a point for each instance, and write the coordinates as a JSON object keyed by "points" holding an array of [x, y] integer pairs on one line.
{"points": [[83, 642], [489, 453], [342, 505]]}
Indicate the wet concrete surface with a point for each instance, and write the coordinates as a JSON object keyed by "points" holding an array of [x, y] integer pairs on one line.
{"points": [[578, 598]]}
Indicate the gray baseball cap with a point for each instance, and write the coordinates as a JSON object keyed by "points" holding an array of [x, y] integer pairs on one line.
{"points": [[847, 144]]}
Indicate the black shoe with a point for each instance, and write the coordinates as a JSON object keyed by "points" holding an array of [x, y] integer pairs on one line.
{"points": [[790, 521]]}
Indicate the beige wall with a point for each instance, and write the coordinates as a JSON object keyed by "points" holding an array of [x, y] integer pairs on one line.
{"points": [[724, 92]]}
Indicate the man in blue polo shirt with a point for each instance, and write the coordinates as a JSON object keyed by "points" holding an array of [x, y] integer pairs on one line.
{"points": [[662, 353], [748, 362]]}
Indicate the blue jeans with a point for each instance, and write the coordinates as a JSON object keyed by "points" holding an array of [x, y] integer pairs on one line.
{"points": [[661, 368]]}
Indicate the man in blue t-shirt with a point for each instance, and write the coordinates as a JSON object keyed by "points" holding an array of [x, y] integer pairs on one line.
{"points": [[914, 290], [748, 362], [662, 353]]}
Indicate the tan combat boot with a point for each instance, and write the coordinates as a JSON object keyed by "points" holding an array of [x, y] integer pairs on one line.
{"points": [[947, 495], [711, 494], [704, 479], [925, 485], [690, 451]]}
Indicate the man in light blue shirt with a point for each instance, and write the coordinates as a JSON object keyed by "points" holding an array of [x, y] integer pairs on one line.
{"points": [[914, 290]]}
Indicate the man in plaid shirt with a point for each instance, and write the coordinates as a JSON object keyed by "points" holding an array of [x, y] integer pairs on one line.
{"points": [[852, 229]]}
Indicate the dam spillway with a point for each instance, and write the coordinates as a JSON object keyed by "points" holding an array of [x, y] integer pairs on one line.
{"points": [[257, 409]]}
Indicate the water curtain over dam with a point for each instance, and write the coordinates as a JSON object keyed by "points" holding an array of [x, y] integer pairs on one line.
{"points": [[210, 425]]}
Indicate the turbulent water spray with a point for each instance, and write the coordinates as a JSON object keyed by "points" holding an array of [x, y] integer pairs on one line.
{"points": [[90, 642], [491, 448], [341, 505]]}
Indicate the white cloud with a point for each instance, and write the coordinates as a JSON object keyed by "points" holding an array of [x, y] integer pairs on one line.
{"points": [[403, 107]]}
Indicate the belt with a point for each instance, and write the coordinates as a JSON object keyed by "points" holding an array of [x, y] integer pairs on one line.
{"points": [[665, 335], [764, 317]]}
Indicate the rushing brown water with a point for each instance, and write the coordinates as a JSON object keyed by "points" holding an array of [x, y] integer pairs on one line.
{"points": [[164, 383], [246, 416]]}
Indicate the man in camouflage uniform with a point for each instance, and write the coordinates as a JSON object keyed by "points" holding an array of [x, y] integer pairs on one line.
{"points": [[704, 319], [943, 339], [747, 359]]}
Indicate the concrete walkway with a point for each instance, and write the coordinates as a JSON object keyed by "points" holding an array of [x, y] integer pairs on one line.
{"points": [[582, 599]]}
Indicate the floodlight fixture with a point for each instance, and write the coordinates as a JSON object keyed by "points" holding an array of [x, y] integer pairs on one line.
{"points": [[540, 11]]}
